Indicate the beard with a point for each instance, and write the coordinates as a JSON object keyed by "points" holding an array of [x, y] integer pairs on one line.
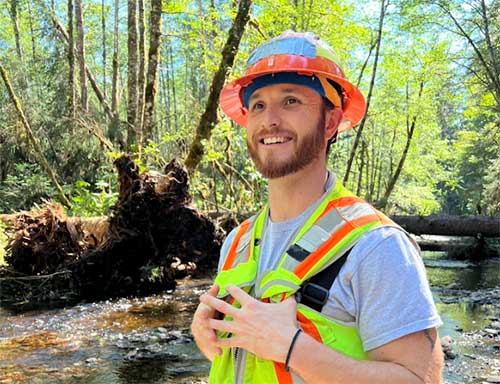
{"points": [[307, 150]]}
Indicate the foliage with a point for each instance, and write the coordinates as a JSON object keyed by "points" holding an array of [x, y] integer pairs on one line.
{"points": [[452, 160], [23, 188], [94, 200], [492, 188]]}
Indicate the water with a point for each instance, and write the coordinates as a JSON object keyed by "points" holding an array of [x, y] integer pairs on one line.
{"points": [[147, 340], [135, 340]]}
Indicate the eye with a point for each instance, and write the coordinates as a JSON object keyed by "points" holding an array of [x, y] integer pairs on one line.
{"points": [[291, 101], [256, 106]]}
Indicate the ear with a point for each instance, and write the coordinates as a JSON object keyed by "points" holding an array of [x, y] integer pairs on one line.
{"points": [[333, 118]]}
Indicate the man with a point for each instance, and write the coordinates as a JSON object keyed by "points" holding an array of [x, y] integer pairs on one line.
{"points": [[319, 287]]}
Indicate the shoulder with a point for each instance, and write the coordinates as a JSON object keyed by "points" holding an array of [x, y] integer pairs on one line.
{"points": [[385, 244], [387, 275]]}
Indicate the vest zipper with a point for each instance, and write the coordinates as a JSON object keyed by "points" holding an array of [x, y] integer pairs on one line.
{"points": [[239, 365]]}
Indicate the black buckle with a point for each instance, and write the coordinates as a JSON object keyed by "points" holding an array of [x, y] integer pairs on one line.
{"points": [[314, 293]]}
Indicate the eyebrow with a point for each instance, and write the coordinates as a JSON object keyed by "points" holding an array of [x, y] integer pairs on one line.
{"points": [[256, 94]]}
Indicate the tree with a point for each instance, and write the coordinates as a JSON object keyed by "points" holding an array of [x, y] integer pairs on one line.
{"points": [[70, 52], [152, 74], [33, 140], [141, 75], [209, 117], [15, 25], [132, 74], [383, 9], [410, 130], [80, 48]]}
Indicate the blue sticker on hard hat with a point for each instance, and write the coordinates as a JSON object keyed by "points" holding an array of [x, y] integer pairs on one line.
{"points": [[287, 46]]}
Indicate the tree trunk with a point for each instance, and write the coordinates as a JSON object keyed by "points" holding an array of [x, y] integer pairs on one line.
{"points": [[90, 77], [492, 53], [80, 48], [447, 225], [115, 78], [153, 65], [132, 73], [410, 128], [70, 52], [383, 8], [103, 28], [209, 117], [172, 82], [32, 31], [33, 140], [442, 245], [365, 63], [15, 25], [141, 78]]}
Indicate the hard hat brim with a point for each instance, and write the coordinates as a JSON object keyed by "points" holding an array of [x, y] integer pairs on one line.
{"points": [[354, 105]]}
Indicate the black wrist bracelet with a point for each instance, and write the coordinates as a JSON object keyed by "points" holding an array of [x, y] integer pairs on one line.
{"points": [[287, 368]]}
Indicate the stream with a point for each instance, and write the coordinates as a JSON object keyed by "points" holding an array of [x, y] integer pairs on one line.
{"points": [[147, 340]]}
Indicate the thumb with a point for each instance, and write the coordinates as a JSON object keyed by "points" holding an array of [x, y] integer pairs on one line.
{"points": [[291, 301]]}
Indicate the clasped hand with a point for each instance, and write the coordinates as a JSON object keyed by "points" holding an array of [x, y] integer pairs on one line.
{"points": [[265, 329]]}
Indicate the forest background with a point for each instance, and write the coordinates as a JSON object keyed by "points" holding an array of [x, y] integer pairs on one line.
{"points": [[99, 77]]}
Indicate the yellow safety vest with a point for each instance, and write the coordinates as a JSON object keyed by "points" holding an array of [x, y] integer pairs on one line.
{"points": [[332, 229]]}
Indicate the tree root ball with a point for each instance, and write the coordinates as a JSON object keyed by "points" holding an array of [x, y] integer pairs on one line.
{"points": [[151, 237]]}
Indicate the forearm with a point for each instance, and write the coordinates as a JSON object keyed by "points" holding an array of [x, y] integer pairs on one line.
{"points": [[316, 363]]}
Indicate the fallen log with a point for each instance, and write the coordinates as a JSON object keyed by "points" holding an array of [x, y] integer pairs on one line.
{"points": [[448, 225], [464, 248], [445, 244]]}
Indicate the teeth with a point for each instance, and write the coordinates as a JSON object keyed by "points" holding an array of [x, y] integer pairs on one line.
{"points": [[274, 140]]}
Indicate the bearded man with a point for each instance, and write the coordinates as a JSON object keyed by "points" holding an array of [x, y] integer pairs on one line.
{"points": [[319, 286]]}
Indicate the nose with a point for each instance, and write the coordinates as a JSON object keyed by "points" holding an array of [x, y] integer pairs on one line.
{"points": [[272, 117]]}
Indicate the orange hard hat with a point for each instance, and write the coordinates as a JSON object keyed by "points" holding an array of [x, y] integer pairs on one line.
{"points": [[300, 53]]}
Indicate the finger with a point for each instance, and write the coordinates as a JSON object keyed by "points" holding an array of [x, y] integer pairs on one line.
{"points": [[223, 325], [219, 305], [203, 312], [240, 295], [214, 290], [229, 342], [212, 338]]}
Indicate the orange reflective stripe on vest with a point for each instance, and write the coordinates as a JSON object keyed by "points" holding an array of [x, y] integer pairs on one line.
{"points": [[231, 256], [282, 375], [341, 202]]}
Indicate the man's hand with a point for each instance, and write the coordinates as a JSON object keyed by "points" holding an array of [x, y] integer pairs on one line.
{"points": [[204, 335], [263, 329]]}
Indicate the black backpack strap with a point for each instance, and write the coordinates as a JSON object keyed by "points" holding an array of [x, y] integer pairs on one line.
{"points": [[314, 292]]}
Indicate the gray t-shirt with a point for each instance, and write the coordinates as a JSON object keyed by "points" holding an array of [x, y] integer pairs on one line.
{"points": [[382, 288]]}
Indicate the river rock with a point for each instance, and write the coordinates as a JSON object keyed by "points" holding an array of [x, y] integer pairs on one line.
{"points": [[493, 379], [495, 324], [492, 332], [446, 343]]}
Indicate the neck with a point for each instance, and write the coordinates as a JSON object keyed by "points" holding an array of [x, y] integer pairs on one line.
{"points": [[291, 195]]}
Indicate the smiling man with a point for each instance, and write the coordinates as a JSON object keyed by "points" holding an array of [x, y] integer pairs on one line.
{"points": [[318, 287]]}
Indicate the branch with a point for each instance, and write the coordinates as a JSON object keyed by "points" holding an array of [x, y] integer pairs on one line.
{"points": [[209, 117]]}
